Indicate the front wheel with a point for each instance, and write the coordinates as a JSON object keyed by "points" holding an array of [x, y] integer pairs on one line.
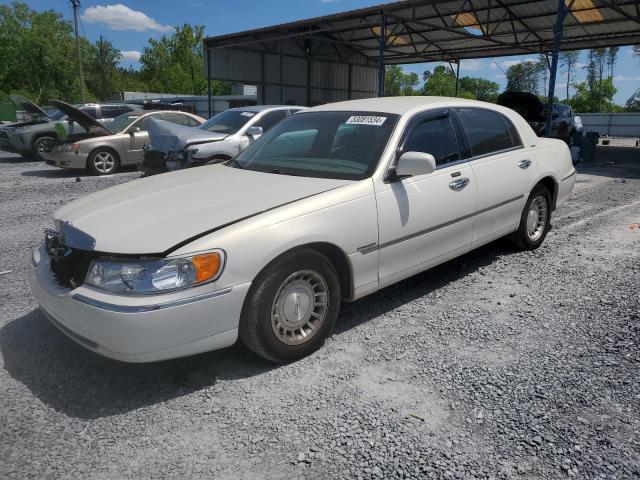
{"points": [[41, 145], [292, 306], [103, 161], [535, 221]]}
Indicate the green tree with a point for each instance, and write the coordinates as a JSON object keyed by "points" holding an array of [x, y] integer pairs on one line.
{"points": [[397, 82], [440, 82], [568, 60], [37, 53], [480, 88], [593, 96], [173, 64], [523, 77], [101, 66]]}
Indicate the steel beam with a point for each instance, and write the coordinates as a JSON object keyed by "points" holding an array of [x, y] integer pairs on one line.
{"points": [[383, 44], [558, 31]]}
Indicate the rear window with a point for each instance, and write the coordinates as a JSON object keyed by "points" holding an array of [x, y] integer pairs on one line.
{"points": [[228, 122], [487, 131]]}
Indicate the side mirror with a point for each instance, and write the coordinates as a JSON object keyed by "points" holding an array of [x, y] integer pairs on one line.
{"points": [[412, 164], [254, 131], [135, 130], [554, 115]]}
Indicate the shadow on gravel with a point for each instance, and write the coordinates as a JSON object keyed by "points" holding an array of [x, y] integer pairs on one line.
{"points": [[85, 385], [54, 172], [630, 171], [82, 384], [394, 296]]}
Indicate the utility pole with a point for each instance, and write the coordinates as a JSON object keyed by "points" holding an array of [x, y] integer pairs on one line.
{"points": [[76, 6], [103, 73]]}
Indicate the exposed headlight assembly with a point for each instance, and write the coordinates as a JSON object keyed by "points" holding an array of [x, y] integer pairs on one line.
{"points": [[155, 275]]}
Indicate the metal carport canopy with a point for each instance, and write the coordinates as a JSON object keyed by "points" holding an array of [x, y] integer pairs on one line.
{"points": [[340, 56]]}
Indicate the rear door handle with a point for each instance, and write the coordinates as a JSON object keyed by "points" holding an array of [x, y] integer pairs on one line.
{"points": [[459, 184], [524, 164]]}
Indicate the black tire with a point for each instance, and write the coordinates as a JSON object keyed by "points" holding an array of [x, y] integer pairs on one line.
{"points": [[39, 144], [256, 330], [522, 238], [100, 154]]}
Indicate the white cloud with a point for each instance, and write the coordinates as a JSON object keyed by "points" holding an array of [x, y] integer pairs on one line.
{"points": [[471, 65], [121, 17], [624, 78], [510, 63], [130, 55]]}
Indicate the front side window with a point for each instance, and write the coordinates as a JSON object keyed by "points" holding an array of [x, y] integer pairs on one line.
{"points": [[342, 145], [486, 131], [111, 111], [91, 111], [228, 122], [268, 120], [435, 136]]}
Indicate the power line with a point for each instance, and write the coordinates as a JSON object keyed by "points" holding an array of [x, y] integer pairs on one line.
{"points": [[76, 7]]}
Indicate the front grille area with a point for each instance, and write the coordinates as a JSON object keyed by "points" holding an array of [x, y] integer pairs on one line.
{"points": [[69, 265]]}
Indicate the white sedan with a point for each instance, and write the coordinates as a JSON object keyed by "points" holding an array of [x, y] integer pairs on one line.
{"points": [[330, 205]]}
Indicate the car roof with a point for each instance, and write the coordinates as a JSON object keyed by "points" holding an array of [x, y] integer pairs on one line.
{"points": [[401, 105], [262, 108]]}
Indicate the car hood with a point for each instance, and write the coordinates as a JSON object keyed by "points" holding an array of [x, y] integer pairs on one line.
{"points": [[526, 104], [90, 124], [169, 137], [28, 106], [153, 215]]}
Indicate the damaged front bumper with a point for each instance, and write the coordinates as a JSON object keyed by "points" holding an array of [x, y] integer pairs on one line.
{"points": [[143, 328]]}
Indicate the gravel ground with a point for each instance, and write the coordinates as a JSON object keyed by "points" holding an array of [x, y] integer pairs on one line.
{"points": [[499, 364]]}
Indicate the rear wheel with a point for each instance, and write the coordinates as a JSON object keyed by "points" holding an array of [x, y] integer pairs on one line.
{"points": [[40, 145], [292, 306], [103, 161], [535, 221]]}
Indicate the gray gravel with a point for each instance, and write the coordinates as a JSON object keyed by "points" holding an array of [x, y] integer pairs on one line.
{"points": [[499, 364]]}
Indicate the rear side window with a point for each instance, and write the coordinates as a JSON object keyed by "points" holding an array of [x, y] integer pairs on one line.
{"points": [[91, 111], [435, 136], [178, 118], [488, 131]]}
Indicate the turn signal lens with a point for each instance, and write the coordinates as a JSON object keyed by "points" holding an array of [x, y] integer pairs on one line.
{"points": [[207, 266]]}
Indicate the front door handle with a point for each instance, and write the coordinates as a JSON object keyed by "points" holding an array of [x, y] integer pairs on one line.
{"points": [[459, 184], [524, 164]]}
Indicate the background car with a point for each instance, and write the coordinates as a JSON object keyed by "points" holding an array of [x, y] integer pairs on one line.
{"points": [[32, 114], [564, 123], [102, 148], [31, 141], [173, 147]]}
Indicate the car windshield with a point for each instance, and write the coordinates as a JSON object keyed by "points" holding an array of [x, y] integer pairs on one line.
{"points": [[228, 122], [54, 113], [118, 124], [342, 145]]}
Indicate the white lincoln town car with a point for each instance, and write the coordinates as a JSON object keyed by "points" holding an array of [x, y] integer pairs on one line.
{"points": [[330, 205]]}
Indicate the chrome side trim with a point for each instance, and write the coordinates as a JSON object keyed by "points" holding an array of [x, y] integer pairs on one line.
{"points": [[569, 176], [367, 249], [147, 308]]}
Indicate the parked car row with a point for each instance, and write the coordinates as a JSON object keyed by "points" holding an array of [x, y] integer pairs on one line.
{"points": [[329, 205], [31, 137]]}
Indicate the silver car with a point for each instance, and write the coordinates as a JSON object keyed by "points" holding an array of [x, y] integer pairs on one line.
{"points": [[102, 148], [32, 140], [222, 137]]}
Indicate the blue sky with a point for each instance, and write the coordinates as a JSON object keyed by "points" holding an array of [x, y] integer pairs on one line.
{"points": [[128, 24]]}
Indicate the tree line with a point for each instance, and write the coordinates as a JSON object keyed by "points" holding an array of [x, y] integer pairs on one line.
{"points": [[38, 53], [595, 94]]}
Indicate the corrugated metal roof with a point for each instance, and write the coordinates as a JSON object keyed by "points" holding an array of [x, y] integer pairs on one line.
{"points": [[435, 30]]}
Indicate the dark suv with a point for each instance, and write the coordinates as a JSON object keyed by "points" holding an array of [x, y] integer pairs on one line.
{"points": [[564, 123]]}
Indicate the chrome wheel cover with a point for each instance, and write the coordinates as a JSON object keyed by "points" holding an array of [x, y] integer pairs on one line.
{"points": [[104, 162], [300, 307], [537, 218]]}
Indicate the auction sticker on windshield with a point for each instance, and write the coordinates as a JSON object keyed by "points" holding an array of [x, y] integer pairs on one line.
{"points": [[366, 120], [247, 114]]}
